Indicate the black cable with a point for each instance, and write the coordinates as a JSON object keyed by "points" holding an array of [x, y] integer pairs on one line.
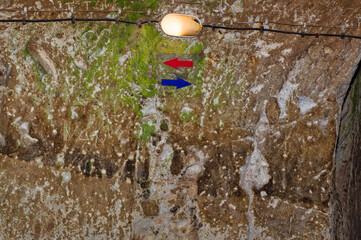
{"points": [[230, 28], [76, 20], [46, 20], [150, 21], [101, 20], [261, 29]]}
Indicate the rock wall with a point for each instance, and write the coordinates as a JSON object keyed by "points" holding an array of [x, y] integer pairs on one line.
{"points": [[92, 146], [347, 202]]}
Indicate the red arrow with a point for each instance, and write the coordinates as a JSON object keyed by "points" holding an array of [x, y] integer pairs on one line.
{"points": [[175, 63]]}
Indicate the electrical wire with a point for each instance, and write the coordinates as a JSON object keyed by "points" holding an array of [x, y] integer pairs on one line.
{"points": [[293, 25], [76, 20], [67, 11], [260, 29], [142, 12]]}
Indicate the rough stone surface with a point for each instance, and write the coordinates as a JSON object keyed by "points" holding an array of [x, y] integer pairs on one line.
{"points": [[2, 141], [247, 151], [273, 111], [40, 55], [5, 73], [5, 3], [150, 208], [346, 206]]}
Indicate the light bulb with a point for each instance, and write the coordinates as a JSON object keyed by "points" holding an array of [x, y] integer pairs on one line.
{"points": [[179, 25]]}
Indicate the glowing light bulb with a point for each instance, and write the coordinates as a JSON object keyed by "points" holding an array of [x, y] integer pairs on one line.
{"points": [[179, 25]]}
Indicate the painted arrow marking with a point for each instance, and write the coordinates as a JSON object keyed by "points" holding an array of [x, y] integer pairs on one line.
{"points": [[175, 63], [179, 83]]}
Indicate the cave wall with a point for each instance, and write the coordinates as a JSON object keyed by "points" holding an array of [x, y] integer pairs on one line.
{"points": [[347, 178], [92, 146]]}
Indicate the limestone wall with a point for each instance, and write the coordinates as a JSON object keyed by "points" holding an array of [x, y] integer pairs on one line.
{"points": [[92, 146]]}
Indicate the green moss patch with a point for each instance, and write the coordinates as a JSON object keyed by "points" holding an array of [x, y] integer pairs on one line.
{"points": [[187, 117], [147, 131]]}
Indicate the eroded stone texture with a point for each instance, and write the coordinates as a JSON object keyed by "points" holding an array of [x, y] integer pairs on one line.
{"points": [[273, 110], [40, 55], [347, 178], [92, 146]]}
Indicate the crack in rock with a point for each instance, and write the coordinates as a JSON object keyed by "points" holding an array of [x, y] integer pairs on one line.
{"points": [[254, 174]]}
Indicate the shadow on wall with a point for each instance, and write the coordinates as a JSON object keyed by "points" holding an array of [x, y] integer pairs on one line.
{"points": [[346, 223]]}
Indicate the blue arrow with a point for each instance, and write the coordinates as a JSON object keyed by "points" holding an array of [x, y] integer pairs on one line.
{"points": [[179, 83]]}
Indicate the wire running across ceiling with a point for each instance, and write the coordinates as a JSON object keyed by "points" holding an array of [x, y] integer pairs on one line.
{"points": [[262, 28]]}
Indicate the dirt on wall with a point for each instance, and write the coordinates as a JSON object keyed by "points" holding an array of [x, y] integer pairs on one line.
{"points": [[347, 179], [92, 146]]}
